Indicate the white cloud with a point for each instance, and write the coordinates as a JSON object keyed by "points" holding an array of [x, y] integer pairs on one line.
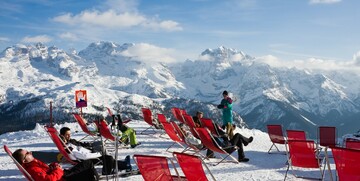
{"points": [[313, 63], [116, 17], [68, 36], [324, 1], [356, 58], [36, 39], [4, 39], [148, 52]]}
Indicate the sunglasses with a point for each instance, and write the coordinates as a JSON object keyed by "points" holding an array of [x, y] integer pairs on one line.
{"points": [[26, 154]]}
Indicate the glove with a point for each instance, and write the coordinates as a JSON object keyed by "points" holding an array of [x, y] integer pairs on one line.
{"points": [[220, 106]]}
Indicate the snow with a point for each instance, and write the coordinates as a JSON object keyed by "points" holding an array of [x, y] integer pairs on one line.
{"points": [[262, 166]]}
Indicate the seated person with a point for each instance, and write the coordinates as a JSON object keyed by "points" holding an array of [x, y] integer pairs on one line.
{"points": [[40, 171], [197, 119], [156, 123], [128, 134], [189, 137], [81, 153], [237, 140]]}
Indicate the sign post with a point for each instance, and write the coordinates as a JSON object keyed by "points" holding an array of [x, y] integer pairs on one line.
{"points": [[80, 99]]}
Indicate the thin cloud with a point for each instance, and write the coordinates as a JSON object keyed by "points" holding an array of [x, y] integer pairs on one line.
{"points": [[147, 52], [36, 39], [313, 63], [68, 36], [120, 14], [4, 39], [324, 1]]}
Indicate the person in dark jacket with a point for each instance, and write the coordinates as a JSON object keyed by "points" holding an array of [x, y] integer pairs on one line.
{"points": [[40, 171]]}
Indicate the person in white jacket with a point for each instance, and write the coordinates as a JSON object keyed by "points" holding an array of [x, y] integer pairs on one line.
{"points": [[78, 152]]}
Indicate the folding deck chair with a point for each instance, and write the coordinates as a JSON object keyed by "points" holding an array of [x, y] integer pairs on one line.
{"points": [[181, 135], [190, 122], [104, 130], [210, 143], [192, 167], [352, 144], [327, 136], [276, 136], [209, 124], [302, 154], [347, 163], [156, 168], [295, 135], [63, 149], [148, 119], [170, 131], [177, 112], [21, 169], [82, 122]]}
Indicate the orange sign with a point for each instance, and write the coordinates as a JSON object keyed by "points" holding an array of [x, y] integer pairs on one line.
{"points": [[80, 98]]}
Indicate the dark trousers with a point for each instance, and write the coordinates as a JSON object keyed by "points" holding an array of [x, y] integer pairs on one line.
{"points": [[237, 140], [82, 171]]}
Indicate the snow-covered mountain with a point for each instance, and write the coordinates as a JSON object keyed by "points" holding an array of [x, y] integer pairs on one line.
{"points": [[34, 75]]}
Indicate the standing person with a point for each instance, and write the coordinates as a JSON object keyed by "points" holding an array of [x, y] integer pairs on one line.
{"points": [[227, 117], [197, 118], [40, 171]]}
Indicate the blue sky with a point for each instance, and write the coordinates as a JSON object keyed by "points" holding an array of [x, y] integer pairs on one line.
{"points": [[286, 30]]}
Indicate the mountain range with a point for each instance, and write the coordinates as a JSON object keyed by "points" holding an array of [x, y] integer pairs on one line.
{"points": [[32, 76]]}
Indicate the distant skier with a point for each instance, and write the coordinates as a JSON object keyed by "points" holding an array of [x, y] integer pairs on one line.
{"points": [[227, 117]]}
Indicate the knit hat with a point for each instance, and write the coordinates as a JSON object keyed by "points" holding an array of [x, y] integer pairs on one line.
{"points": [[225, 92]]}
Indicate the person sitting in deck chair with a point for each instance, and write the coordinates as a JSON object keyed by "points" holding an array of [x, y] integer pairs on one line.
{"points": [[237, 140], [128, 134], [197, 118], [40, 171], [82, 153], [189, 137]]}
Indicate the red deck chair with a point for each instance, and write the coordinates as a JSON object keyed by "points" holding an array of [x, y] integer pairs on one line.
{"points": [[327, 136], [192, 167], [148, 119], [104, 130], [63, 149], [182, 136], [352, 144], [302, 154], [190, 122], [82, 122], [276, 136], [22, 170], [209, 123], [347, 163], [210, 143], [295, 135], [156, 168], [177, 112], [170, 131]]}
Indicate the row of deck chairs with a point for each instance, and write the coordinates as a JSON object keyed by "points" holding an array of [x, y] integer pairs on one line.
{"points": [[205, 133], [303, 153], [154, 168]]}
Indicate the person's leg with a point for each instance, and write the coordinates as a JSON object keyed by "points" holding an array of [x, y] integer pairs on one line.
{"points": [[237, 140], [124, 165], [82, 171]]}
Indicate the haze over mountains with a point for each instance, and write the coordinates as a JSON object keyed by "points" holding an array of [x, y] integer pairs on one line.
{"points": [[34, 75]]}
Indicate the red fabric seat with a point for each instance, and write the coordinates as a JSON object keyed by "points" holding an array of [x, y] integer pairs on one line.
{"points": [[82, 122], [148, 119], [327, 136], [170, 131], [156, 168], [177, 112], [295, 135], [352, 144], [63, 149], [209, 124], [347, 163], [302, 154], [192, 167], [22, 170], [210, 143], [104, 130], [276, 136]]}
